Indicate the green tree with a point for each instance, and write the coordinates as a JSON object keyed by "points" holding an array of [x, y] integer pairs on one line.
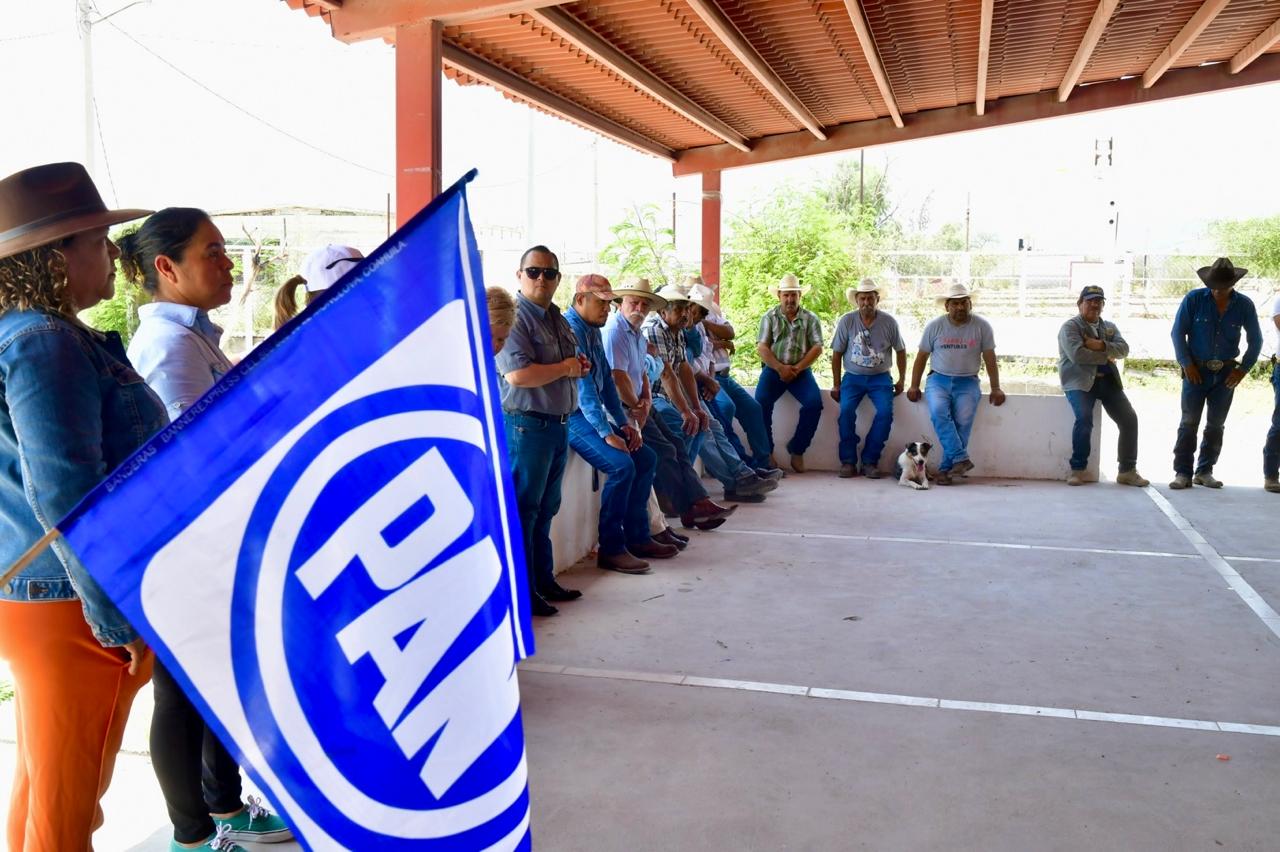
{"points": [[643, 247], [120, 312], [1252, 242]]}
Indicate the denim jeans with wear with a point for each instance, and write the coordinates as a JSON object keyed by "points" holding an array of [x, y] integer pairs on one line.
{"points": [[1271, 450], [676, 482], [538, 449], [670, 415], [735, 401], [1214, 392], [624, 499], [771, 387], [718, 455], [953, 404], [853, 387], [1114, 401]]}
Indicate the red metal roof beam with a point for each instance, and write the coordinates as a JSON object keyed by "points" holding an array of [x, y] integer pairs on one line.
{"points": [[1199, 22], [578, 34], [360, 20], [723, 28], [1255, 48], [501, 78], [984, 54], [873, 58], [1101, 17]]}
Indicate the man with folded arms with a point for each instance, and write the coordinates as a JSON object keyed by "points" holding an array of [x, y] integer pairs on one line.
{"points": [[1206, 342], [625, 346], [603, 434], [1088, 348], [539, 367]]}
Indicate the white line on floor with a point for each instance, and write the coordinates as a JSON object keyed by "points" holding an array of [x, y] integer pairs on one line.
{"points": [[964, 543], [1237, 583], [904, 700]]}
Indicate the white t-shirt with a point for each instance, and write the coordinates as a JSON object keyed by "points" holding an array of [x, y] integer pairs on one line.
{"points": [[1275, 312]]}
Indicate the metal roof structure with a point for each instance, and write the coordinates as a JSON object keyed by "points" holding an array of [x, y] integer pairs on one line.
{"points": [[716, 84]]}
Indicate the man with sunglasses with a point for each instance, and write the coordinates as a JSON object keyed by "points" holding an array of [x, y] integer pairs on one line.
{"points": [[540, 366]]}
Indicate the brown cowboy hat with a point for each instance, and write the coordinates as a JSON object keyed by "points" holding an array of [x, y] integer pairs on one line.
{"points": [[1223, 273], [46, 203]]}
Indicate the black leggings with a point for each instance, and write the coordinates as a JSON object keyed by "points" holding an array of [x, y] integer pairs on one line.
{"points": [[197, 776]]}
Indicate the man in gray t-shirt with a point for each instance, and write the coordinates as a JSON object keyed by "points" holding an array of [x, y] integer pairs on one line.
{"points": [[864, 343], [960, 342]]}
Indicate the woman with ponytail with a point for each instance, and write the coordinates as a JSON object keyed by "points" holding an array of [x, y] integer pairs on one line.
{"points": [[320, 270], [180, 258]]}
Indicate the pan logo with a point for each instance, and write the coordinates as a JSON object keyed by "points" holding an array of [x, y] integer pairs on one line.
{"points": [[374, 556]]}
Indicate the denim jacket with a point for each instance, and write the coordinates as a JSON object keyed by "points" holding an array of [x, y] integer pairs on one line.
{"points": [[71, 409], [1078, 364]]}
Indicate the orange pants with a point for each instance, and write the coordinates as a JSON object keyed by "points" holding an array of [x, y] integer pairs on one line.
{"points": [[73, 698]]}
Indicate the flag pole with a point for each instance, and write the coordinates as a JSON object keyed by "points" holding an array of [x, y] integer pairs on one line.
{"points": [[30, 556]]}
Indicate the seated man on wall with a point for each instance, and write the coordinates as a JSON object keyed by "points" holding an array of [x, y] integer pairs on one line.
{"points": [[1088, 348], [604, 435], [680, 403], [960, 342], [676, 482], [790, 340], [863, 343], [733, 401]]}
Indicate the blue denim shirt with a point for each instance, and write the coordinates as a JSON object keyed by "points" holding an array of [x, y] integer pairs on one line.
{"points": [[71, 409], [176, 350], [597, 394], [1200, 332]]}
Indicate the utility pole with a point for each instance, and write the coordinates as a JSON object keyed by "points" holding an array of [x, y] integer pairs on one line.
{"points": [[84, 24], [862, 170], [967, 198], [595, 198], [528, 172]]}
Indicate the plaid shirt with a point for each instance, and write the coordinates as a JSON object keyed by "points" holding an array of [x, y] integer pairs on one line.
{"points": [[669, 343], [790, 339]]}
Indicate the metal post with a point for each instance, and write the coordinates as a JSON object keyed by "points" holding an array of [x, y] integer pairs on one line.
{"points": [[418, 73], [84, 23], [711, 231]]}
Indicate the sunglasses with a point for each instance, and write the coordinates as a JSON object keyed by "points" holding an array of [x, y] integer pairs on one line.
{"points": [[536, 272]]}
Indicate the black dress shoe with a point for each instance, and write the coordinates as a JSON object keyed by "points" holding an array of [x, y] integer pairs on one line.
{"points": [[553, 591], [738, 497], [541, 607], [667, 538], [677, 536]]}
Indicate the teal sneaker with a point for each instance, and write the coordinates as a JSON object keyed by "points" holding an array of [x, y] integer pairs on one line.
{"points": [[254, 824], [220, 842]]}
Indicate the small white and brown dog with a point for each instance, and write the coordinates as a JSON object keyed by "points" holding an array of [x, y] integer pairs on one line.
{"points": [[910, 466]]}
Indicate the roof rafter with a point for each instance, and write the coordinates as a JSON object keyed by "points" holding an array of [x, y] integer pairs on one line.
{"points": [[873, 58], [984, 54], [1189, 33], [358, 20], [507, 81], [736, 42], [575, 32], [1256, 48], [1101, 17]]}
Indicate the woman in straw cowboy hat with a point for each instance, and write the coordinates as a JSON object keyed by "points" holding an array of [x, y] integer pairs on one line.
{"points": [[71, 409], [790, 340]]}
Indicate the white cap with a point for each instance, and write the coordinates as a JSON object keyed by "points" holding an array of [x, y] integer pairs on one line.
{"points": [[324, 266]]}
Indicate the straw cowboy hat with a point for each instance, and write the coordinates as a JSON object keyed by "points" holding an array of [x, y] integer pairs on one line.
{"points": [[701, 295], [672, 293], [1223, 273], [641, 287], [957, 291], [46, 203], [866, 285], [788, 284]]}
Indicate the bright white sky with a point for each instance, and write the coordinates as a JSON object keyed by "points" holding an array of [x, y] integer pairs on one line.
{"points": [[168, 141]]}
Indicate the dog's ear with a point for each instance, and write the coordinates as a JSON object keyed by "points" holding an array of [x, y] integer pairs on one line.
{"points": [[911, 448], [925, 448]]}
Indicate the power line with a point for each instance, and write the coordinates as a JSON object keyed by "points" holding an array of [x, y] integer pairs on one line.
{"points": [[246, 112], [115, 198]]}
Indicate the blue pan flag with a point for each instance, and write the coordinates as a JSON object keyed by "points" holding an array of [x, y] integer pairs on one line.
{"points": [[325, 552]]}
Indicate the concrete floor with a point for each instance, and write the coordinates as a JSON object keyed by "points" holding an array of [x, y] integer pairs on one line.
{"points": [[802, 593], [1007, 593]]}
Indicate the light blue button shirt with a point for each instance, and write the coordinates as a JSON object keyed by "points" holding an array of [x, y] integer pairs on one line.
{"points": [[625, 347], [175, 349]]}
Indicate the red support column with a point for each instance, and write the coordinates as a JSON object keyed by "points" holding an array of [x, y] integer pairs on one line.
{"points": [[418, 70], [711, 231]]}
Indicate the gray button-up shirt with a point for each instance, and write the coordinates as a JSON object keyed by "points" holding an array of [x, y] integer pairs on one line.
{"points": [[539, 336]]}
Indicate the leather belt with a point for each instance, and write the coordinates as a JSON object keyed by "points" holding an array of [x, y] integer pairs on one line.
{"points": [[538, 415]]}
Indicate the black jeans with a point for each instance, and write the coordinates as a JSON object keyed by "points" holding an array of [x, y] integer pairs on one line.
{"points": [[197, 776], [676, 482]]}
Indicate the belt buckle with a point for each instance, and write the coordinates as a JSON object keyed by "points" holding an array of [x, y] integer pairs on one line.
{"points": [[1213, 366]]}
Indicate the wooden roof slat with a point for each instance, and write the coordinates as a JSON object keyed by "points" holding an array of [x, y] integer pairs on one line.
{"points": [[1251, 51], [1189, 33], [728, 34], [984, 55], [859, 21], [1101, 17]]}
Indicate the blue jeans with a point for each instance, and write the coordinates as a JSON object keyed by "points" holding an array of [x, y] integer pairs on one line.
{"points": [[804, 388], [1212, 390], [671, 416], [676, 483], [853, 387], [538, 451], [953, 404], [1114, 401], [734, 401], [1271, 450], [624, 500], [719, 457]]}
